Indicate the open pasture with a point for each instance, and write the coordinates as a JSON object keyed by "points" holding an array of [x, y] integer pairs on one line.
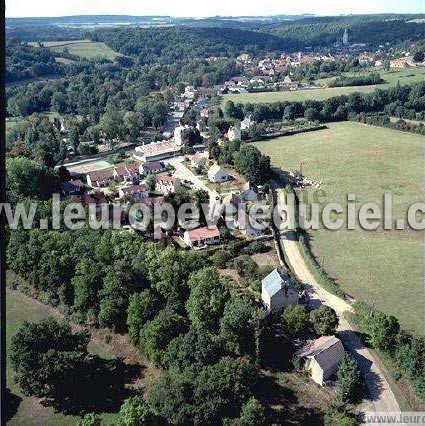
{"points": [[380, 267]]}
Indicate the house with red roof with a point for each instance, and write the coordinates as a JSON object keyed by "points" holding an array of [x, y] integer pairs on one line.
{"points": [[100, 178], [201, 237]]}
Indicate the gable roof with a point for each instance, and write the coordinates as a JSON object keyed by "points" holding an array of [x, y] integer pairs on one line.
{"points": [[326, 350], [198, 158], [99, 175], [272, 283], [214, 169], [155, 165], [203, 233]]}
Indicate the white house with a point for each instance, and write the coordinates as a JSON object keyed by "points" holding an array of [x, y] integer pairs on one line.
{"points": [[201, 237], [136, 192], [167, 184], [277, 291], [247, 123], [217, 175], [323, 357], [234, 134]]}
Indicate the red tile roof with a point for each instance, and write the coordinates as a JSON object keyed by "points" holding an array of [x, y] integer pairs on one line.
{"points": [[101, 175], [203, 233]]}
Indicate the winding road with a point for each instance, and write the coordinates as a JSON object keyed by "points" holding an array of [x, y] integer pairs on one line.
{"points": [[380, 397]]}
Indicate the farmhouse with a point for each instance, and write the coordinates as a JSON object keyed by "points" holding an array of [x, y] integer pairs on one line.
{"points": [[217, 175], [201, 237], [72, 187], [167, 184], [153, 168], [277, 291], [136, 192], [323, 356], [100, 178]]}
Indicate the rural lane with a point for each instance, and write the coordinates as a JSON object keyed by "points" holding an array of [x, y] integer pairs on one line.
{"points": [[380, 396]]}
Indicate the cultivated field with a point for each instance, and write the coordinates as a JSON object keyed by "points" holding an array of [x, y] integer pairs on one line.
{"points": [[83, 48], [381, 267], [405, 76], [29, 410]]}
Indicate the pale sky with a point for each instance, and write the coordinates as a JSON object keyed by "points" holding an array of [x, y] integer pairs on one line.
{"points": [[202, 8]]}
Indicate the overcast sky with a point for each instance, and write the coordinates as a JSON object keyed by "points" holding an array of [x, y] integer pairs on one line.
{"points": [[200, 8]]}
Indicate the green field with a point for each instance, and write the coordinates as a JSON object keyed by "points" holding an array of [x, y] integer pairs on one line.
{"points": [[405, 76], [83, 48], [381, 267], [30, 411]]}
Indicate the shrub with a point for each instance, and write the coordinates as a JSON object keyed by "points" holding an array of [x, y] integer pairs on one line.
{"points": [[295, 320], [220, 258], [324, 320]]}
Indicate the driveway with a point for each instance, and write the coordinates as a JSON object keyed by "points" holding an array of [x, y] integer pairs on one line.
{"points": [[380, 398]]}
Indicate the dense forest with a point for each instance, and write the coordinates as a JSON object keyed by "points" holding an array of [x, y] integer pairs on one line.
{"points": [[373, 32]]}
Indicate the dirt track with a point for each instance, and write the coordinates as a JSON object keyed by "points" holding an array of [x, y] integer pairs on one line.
{"points": [[380, 398]]}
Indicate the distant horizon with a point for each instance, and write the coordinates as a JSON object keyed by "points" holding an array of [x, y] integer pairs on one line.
{"points": [[219, 8], [212, 16]]}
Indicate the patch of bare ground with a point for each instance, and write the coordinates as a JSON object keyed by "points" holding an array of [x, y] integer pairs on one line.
{"points": [[268, 258]]}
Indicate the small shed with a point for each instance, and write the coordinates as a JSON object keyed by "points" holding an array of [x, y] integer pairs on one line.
{"points": [[323, 357]]}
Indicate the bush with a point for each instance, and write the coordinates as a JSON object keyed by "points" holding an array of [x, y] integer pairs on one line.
{"points": [[295, 320], [255, 247], [220, 258], [324, 320]]}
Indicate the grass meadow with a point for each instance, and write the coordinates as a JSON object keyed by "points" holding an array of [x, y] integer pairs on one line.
{"points": [[404, 76], [30, 411], [83, 48], [380, 267]]}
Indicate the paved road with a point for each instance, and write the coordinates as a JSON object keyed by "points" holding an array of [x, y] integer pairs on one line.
{"points": [[183, 173], [380, 398]]}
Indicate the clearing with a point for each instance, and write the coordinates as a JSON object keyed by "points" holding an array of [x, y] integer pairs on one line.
{"points": [[404, 76], [28, 410], [83, 48], [380, 267]]}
